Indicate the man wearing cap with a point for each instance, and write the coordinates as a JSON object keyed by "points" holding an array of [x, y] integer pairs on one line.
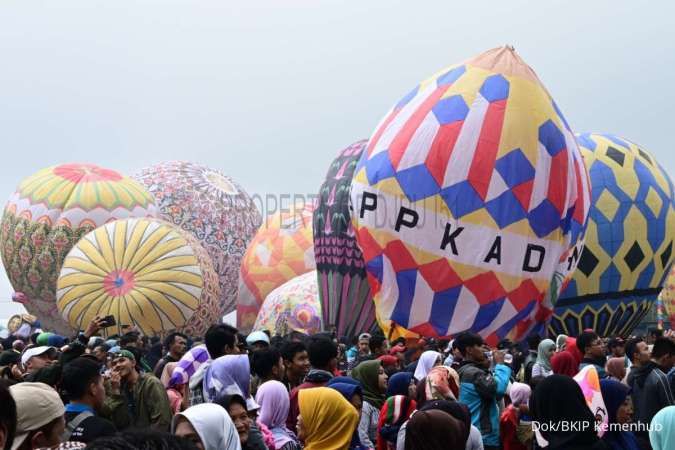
{"points": [[9, 366], [258, 340], [135, 399], [36, 358], [175, 345], [39, 412]]}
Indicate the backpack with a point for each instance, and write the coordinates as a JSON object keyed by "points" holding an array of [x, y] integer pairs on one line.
{"points": [[73, 424]]}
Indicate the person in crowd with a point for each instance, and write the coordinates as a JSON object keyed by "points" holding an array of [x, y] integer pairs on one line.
{"points": [[542, 365], [363, 346], [175, 345], [559, 399], [250, 436], [399, 352], [36, 358], [267, 365], [83, 383], [533, 341], [560, 343], [136, 399], [272, 397], [229, 374], [427, 361], [616, 347], [510, 428], [616, 368], [323, 359], [480, 388], [296, 364], [616, 396], [100, 351], [433, 430], [591, 346], [662, 430], [377, 345], [401, 383], [39, 412], [573, 349], [394, 413], [649, 384], [7, 418], [258, 340], [352, 392], [142, 440], [390, 364], [442, 383], [10, 368], [564, 363], [175, 391], [373, 379], [208, 426], [220, 340], [326, 421]]}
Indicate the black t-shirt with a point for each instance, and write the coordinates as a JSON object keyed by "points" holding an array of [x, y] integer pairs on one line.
{"points": [[90, 428]]}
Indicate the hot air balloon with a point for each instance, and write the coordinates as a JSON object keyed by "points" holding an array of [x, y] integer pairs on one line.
{"points": [[668, 298], [144, 272], [629, 240], [281, 250], [293, 306], [47, 214], [346, 302], [211, 206], [470, 197]]}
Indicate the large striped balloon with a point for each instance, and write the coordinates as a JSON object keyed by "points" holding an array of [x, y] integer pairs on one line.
{"points": [[471, 196], [144, 272]]}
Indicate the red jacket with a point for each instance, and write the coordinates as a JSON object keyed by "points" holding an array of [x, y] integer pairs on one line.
{"points": [[508, 425]]}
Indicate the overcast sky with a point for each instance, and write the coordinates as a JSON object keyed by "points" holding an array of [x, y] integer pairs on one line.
{"points": [[269, 91]]}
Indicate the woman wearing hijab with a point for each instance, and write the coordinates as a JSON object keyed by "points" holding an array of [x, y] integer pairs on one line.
{"points": [[619, 411], [176, 392], [229, 375], [401, 383], [272, 397], [542, 366], [327, 421], [558, 399], [560, 342], [394, 413], [662, 430], [352, 392], [564, 363], [509, 421], [374, 382], [428, 360], [442, 383], [616, 369], [571, 346], [435, 430], [208, 426]]}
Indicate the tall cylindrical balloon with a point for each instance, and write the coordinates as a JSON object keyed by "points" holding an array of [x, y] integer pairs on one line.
{"points": [[346, 302], [470, 197], [49, 212], [211, 206], [146, 273], [629, 240]]}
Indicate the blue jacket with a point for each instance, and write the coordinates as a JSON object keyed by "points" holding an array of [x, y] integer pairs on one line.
{"points": [[479, 389]]}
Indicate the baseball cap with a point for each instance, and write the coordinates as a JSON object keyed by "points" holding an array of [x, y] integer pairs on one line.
{"points": [[37, 404], [364, 336], [257, 336], [35, 351]]}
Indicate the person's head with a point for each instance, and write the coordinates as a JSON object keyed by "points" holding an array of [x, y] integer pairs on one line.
{"points": [[296, 359], [36, 358], [377, 344], [616, 367], [662, 430], [19, 345], [131, 339], [637, 351], [272, 397], [350, 390], [520, 394], [591, 345], [7, 418], [124, 363], [616, 396], [235, 405], [176, 344], [326, 419], [322, 353], [268, 364], [143, 440], [617, 347], [258, 340], [364, 343], [472, 347], [654, 334], [39, 411], [663, 353], [208, 426], [221, 340], [101, 353], [533, 341], [435, 429], [83, 382]]}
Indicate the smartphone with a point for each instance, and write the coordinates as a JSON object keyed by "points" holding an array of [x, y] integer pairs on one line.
{"points": [[108, 321]]}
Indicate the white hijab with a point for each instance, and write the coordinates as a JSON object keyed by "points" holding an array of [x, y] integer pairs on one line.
{"points": [[426, 363], [213, 425]]}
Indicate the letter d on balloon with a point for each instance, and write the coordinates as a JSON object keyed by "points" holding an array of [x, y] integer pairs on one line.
{"points": [[527, 262]]}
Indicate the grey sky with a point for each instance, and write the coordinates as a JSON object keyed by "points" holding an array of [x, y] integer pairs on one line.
{"points": [[269, 91]]}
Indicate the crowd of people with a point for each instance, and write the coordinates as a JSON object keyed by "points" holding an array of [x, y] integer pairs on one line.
{"points": [[226, 391]]}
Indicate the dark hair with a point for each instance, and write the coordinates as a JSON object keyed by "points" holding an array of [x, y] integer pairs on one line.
{"points": [[7, 415], [105, 347], [467, 339], [376, 342], [534, 381], [290, 349], [321, 350], [128, 338], [168, 341], [228, 400], [656, 332], [585, 339], [219, 336], [533, 341], [631, 347], [78, 375], [141, 440], [262, 362], [663, 347]]}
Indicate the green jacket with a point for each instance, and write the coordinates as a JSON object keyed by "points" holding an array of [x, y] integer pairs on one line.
{"points": [[145, 405]]}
